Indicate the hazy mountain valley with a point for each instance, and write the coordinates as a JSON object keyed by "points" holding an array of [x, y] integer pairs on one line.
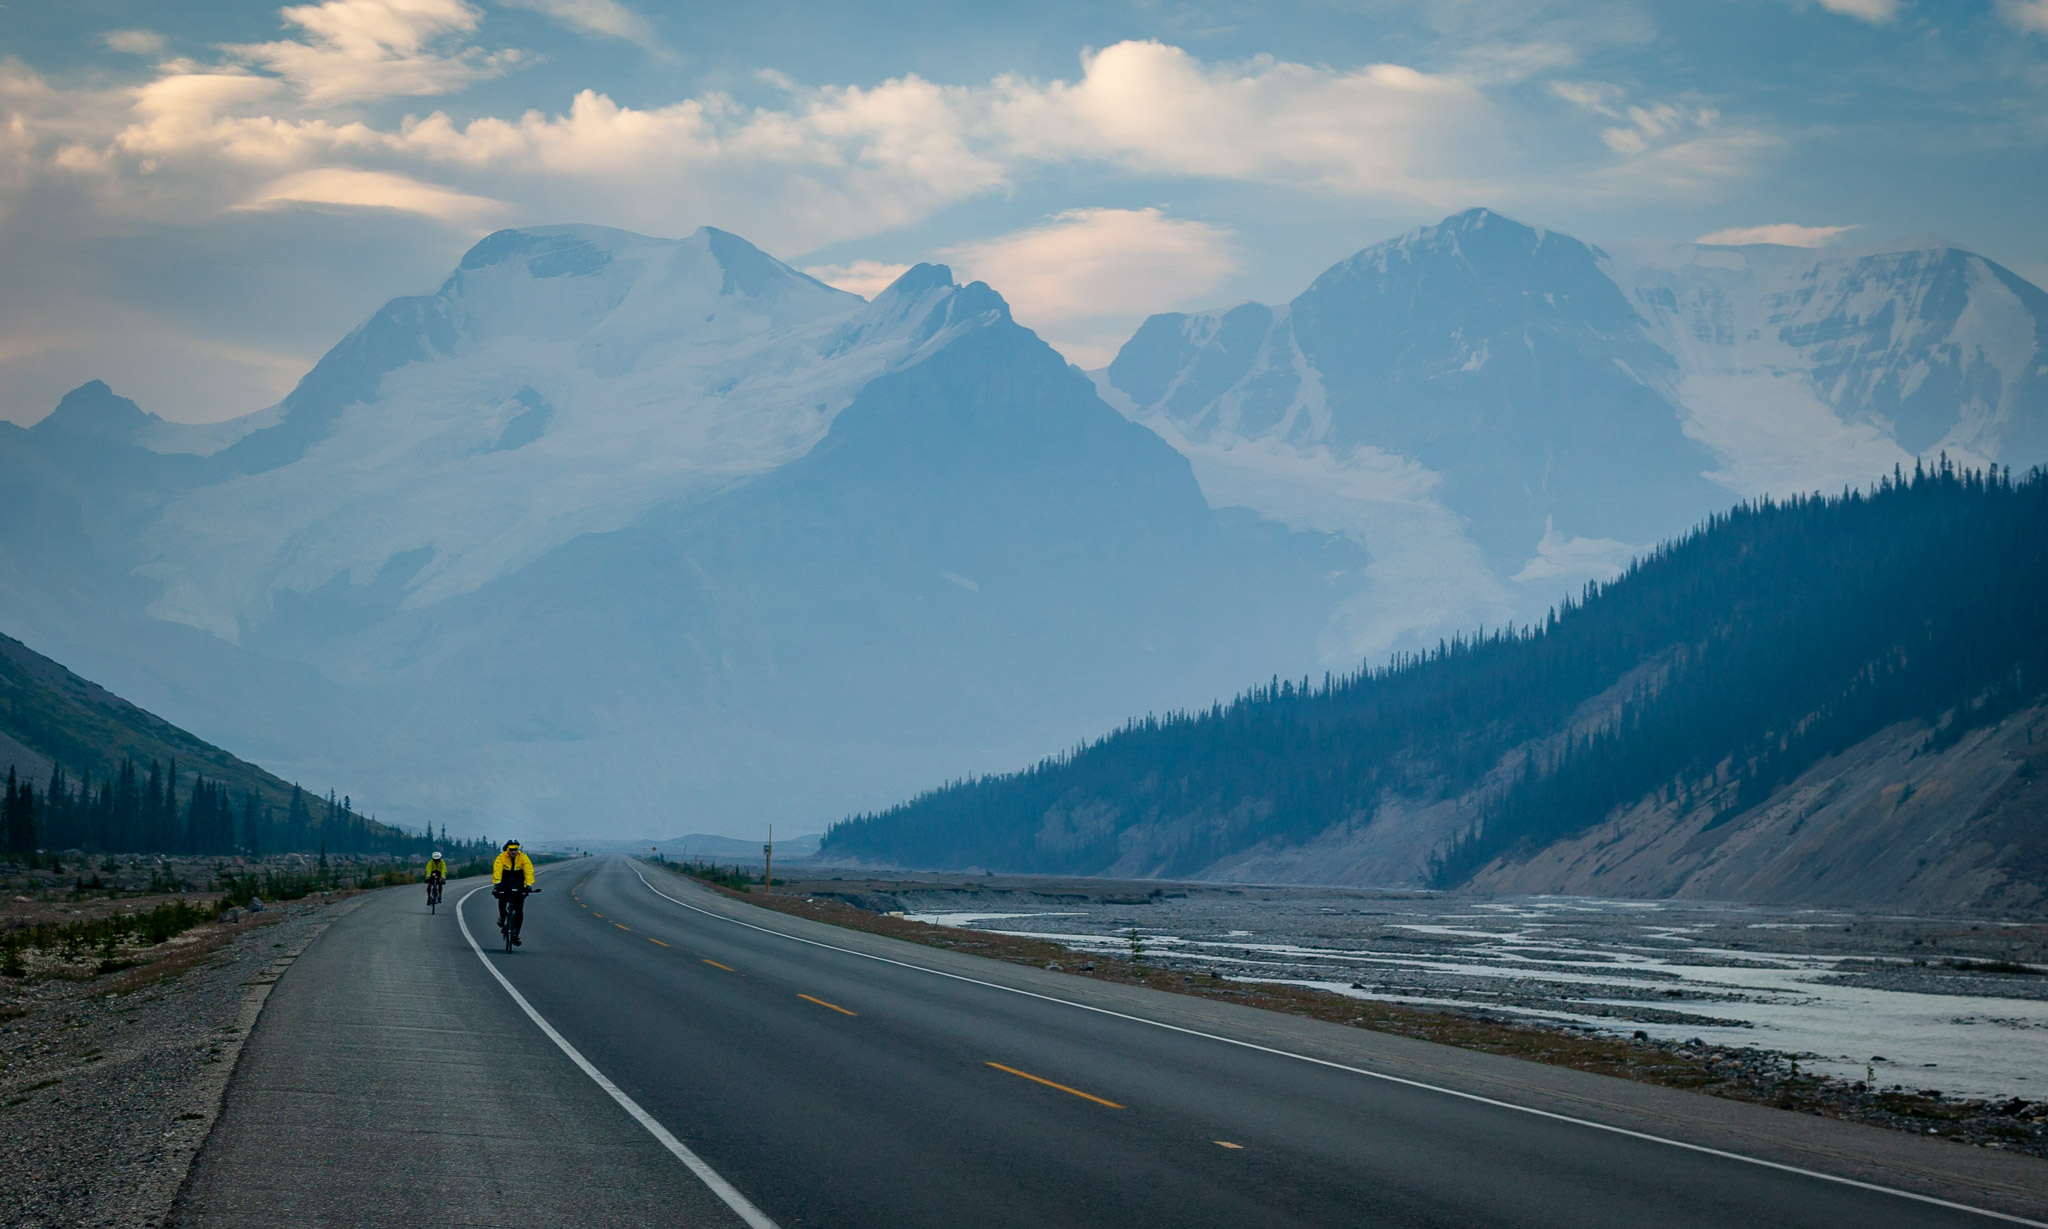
{"points": [[671, 536]]}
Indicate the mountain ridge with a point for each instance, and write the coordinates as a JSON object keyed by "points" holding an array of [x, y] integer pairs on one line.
{"points": [[1499, 412]]}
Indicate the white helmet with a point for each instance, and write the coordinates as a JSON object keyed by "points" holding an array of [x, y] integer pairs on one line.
{"points": [[437, 855]]}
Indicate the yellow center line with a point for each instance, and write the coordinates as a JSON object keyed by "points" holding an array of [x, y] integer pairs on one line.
{"points": [[624, 928], [1224, 1143], [714, 964], [594, 913], [1039, 1079], [657, 941], [834, 1006]]}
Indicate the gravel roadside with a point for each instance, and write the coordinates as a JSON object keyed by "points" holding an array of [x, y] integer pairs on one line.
{"points": [[109, 1086]]}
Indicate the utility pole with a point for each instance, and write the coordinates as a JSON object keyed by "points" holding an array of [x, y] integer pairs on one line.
{"points": [[768, 863]]}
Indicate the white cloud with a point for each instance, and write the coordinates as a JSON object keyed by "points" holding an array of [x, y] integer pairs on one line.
{"points": [[2026, 14], [1100, 262], [365, 49], [828, 163], [1671, 149], [1596, 96], [605, 18], [335, 185], [1877, 12], [1084, 278], [1695, 168], [134, 42], [1787, 234], [1088, 276], [1648, 125], [866, 278], [1149, 107]]}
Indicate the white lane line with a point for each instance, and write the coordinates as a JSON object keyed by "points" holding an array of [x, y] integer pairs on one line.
{"points": [[755, 1218], [1377, 1075]]}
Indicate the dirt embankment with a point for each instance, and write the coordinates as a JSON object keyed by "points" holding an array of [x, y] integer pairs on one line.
{"points": [[1887, 824]]}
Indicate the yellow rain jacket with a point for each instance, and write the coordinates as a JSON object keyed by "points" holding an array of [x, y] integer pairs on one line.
{"points": [[437, 866], [512, 859]]}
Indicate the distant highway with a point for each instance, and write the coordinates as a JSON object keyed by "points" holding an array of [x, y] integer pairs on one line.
{"points": [[656, 1051]]}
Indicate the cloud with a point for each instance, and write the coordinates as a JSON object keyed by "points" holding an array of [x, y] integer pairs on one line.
{"points": [[134, 42], [365, 49], [2026, 14], [1695, 169], [373, 190], [1380, 130], [1668, 149], [866, 278], [1650, 124], [1100, 262], [605, 18], [1876, 12], [1088, 276], [823, 164], [1785, 234], [1643, 126]]}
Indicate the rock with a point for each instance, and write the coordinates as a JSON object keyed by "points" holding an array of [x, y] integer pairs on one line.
{"points": [[230, 916], [255, 904]]}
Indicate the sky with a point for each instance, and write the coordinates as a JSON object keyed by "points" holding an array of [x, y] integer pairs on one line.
{"points": [[197, 200]]}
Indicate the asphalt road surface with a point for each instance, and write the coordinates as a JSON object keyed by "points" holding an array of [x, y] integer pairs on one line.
{"points": [[800, 1080]]}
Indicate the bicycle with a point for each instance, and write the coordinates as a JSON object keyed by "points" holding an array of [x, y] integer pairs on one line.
{"points": [[433, 893], [512, 912]]}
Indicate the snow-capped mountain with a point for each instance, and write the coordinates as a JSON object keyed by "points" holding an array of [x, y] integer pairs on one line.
{"points": [[1498, 413], [563, 381], [646, 527], [611, 531]]}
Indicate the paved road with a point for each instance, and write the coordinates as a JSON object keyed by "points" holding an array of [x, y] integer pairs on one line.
{"points": [[390, 1081], [832, 1089]]}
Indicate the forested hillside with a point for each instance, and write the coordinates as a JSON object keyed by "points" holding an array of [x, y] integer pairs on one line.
{"points": [[85, 769], [1707, 677]]}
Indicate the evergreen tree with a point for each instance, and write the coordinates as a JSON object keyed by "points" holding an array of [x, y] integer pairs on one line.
{"points": [[153, 809], [124, 829], [254, 819], [57, 800], [18, 817]]}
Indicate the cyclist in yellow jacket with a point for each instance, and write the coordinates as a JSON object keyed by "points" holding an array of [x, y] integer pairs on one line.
{"points": [[437, 874], [511, 877]]}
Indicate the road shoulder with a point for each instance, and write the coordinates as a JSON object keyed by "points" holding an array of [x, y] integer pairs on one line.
{"points": [[109, 1093], [391, 1081]]}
